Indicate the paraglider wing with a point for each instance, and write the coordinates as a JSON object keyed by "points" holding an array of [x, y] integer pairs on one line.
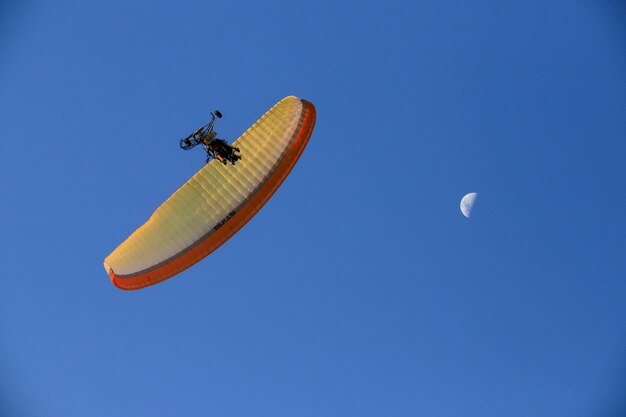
{"points": [[216, 202]]}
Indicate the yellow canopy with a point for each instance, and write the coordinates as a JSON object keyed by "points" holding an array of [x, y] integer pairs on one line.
{"points": [[216, 202]]}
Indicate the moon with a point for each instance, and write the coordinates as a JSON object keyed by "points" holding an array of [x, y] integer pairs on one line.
{"points": [[467, 202]]}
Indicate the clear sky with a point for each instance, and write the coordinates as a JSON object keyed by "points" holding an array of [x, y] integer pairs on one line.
{"points": [[359, 289]]}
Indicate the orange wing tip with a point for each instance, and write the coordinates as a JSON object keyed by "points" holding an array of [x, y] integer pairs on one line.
{"points": [[111, 274]]}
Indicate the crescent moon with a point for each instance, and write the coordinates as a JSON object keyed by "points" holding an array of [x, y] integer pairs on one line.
{"points": [[467, 202]]}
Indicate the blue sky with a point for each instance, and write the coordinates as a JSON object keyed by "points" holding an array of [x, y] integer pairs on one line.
{"points": [[359, 289]]}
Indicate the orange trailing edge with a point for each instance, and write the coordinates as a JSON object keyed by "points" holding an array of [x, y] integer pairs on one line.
{"points": [[216, 202]]}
